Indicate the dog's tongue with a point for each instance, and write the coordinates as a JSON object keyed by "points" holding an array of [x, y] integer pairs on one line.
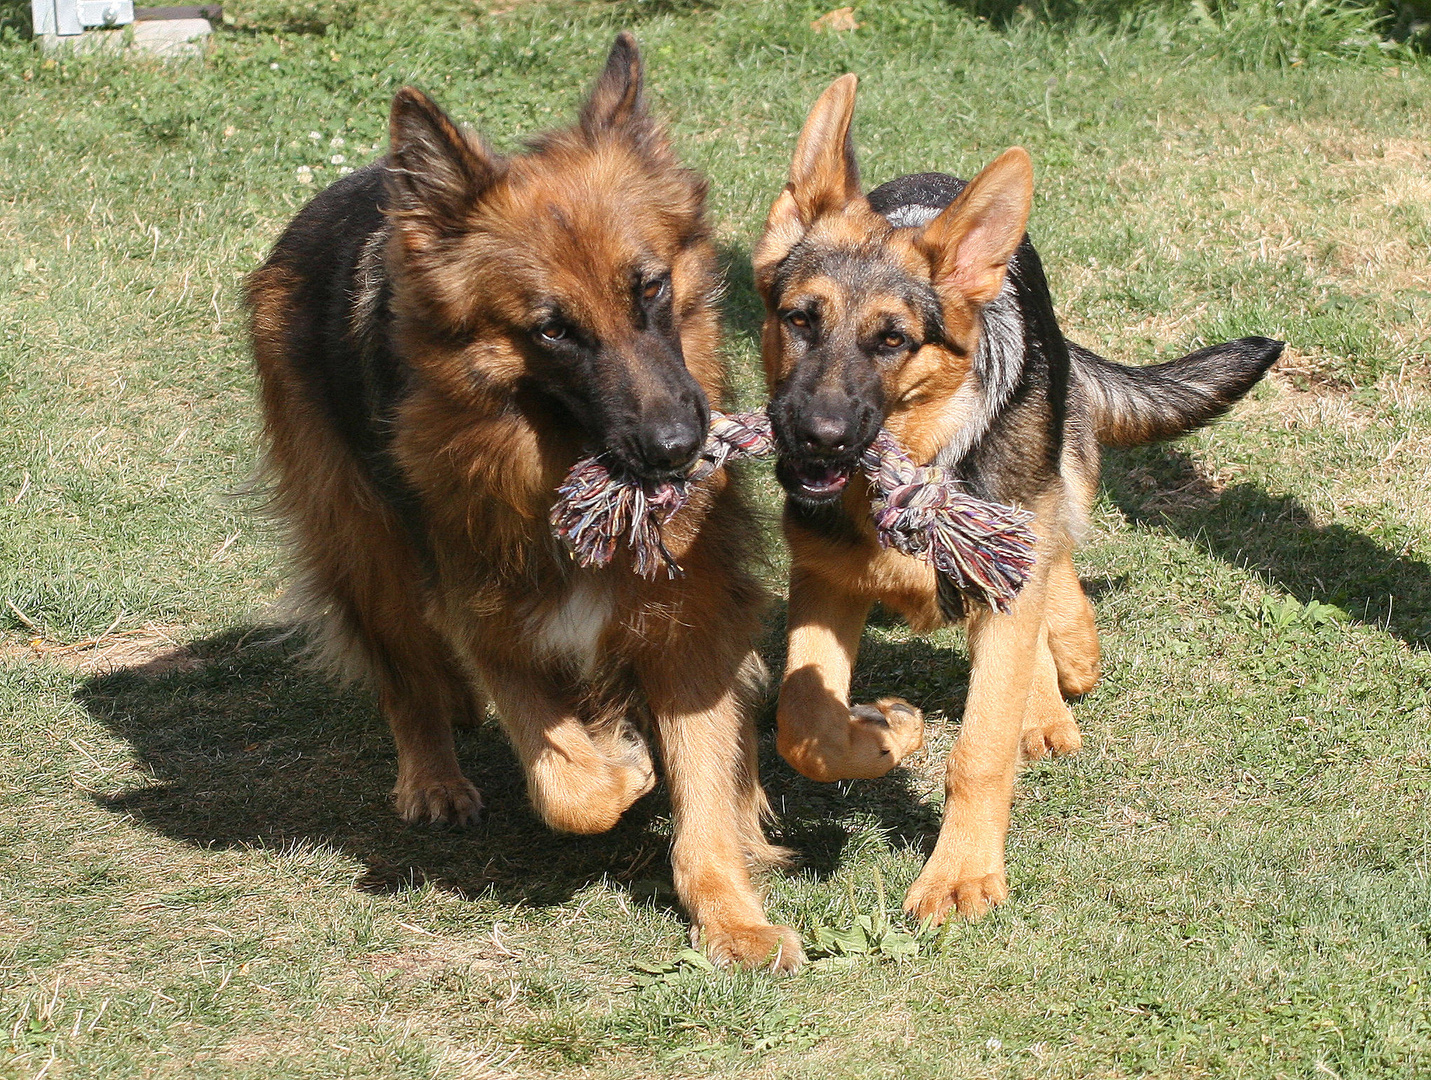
{"points": [[823, 479]]}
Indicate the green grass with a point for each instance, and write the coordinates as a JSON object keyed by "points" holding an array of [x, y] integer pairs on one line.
{"points": [[200, 871]]}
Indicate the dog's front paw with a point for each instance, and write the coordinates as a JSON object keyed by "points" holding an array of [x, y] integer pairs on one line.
{"points": [[969, 892], [762, 946], [446, 801], [588, 797]]}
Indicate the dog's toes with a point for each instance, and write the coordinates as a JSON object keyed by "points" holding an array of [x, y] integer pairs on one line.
{"points": [[1057, 737], [975, 899], [454, 802], [972, 897], [761, 947], [892, 725]]}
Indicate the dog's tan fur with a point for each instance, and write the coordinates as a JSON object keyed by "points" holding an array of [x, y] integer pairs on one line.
{"points": [[1023, 662]]}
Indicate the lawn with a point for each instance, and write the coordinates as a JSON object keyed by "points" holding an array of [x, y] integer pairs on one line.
{"points": [[200, 870]]}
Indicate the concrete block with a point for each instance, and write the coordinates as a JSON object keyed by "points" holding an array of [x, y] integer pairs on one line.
{"points": [[172, 37], [169, 39]]}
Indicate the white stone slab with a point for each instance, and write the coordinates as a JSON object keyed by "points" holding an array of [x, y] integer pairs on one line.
{"points": [[172, 37], [165, 38]]}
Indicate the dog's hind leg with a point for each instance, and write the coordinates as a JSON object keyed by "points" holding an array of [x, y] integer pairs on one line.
{"points": [[1049, 727], [819, 733], [1072, 633], [575, 785]]}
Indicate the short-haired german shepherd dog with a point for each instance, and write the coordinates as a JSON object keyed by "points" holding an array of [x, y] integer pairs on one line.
{"points": [[922, 307], [439, 337]]}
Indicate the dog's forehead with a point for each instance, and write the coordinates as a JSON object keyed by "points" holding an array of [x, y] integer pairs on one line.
{"points": [[577, 242], [857, 271], [583, 225], [608, 194]]}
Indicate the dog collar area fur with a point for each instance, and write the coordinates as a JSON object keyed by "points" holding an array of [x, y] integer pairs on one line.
{"points": [[986, 549]]}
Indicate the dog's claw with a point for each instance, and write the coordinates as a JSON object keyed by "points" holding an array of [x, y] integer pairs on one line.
{"points": [[454, 802], [763, 947]]}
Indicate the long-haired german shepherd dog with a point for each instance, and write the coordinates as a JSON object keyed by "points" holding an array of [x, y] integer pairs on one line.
{"points": [[439, 337], [922, 307]]}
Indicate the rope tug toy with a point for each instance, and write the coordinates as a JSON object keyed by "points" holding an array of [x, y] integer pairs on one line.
{"points": [[918, 510]]}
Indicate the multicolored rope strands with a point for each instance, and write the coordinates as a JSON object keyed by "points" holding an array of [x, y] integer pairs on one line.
{"points": [[986, 549], [595, 509]]}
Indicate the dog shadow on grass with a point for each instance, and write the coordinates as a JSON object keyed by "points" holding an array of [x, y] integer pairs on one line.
{"points": [[1276, 538], [247, 747]]}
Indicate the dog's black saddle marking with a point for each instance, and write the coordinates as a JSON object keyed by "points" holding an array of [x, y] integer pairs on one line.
{"points": [[352, 371], [914, 200]]}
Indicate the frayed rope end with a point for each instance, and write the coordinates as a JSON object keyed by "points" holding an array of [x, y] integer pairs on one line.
{"points": [[596, 508], [986, 548]]}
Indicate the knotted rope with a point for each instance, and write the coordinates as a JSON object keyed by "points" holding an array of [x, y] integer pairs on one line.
{"points": [[985, 548]]}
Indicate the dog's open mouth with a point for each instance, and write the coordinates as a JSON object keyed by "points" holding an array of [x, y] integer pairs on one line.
{"points": [[814, 480]]}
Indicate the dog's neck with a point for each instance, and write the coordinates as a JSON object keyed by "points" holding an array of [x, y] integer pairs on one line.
{"points": [[993, 378]]}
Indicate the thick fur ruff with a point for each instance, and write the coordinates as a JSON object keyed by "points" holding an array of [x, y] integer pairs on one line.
{"points": [[440, 337]]}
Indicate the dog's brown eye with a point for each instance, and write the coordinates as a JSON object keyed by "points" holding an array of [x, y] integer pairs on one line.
{"points": [[653, 289], [894, 340], [798, 319], [551, 331]]}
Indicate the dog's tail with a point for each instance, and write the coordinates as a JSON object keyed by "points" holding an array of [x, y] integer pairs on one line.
{"points": [[1136, 405]]}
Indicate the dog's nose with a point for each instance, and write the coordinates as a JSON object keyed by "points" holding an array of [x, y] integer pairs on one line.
{"points": [[824, 433], [669, 446]]}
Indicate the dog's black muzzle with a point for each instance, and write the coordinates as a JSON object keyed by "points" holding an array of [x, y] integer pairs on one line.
{"points": [[819, 439], [665, 444], [659, 434], [643, 412]]}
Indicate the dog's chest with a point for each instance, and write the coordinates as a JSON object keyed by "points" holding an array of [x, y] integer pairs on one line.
{"points": [[569, 631]]}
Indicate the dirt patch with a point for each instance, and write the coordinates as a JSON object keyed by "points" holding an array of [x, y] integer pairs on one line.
{"points": [[269, 1046], [150, 650], [1406, 150], [12, 929], [1304, 373], [440, 954]]}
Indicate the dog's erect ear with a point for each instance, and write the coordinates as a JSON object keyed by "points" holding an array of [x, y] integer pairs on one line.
{"points": [[617, 100], [823, 177], [823, 174], [436, 171], [970, 243]]}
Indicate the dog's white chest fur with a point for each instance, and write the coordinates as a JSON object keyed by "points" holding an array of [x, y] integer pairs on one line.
{"points": [[571, 630]]}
